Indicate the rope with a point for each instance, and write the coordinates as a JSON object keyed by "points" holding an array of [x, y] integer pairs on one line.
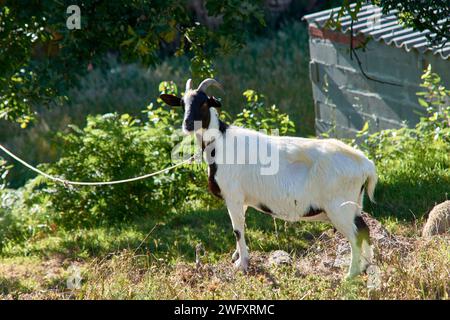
{"points": [[82, 183]]}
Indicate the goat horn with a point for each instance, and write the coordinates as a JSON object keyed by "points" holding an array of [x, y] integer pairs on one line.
{"points": [[207, 82], [189, 84]]}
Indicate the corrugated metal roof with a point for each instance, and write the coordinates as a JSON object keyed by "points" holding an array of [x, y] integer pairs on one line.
{"points": [[382, 27]]}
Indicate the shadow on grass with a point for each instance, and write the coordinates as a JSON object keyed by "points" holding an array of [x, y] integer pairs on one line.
{"points": [[407, 199], [175, 236], [179, 236], [11, 286]]}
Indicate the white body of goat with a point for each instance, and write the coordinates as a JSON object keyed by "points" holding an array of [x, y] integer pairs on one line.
{"points": [[314, 179], [317, 179]]}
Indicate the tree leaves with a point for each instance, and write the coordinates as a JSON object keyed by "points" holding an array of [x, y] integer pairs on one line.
{"points": [[34, 37], [420, 15]]}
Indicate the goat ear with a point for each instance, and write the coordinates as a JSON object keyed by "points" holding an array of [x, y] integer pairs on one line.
{"points": [[171, 100], [213, 102]]}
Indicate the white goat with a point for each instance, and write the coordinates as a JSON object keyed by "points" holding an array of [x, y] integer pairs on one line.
{"points": [[314, 179]]}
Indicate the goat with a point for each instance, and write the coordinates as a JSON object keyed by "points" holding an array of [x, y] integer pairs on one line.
{"points": [[316, 179]]}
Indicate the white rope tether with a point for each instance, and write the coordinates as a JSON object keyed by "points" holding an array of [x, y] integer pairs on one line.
{"points": [[82, 183]]}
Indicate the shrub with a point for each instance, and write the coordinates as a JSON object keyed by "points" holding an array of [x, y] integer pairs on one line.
{"points": [[23, 214], [257, 115], [435, 99], [114, 147], [413, 163], [4, 171]]}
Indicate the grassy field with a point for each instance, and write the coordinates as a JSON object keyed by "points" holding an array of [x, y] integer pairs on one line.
{"points": [[155, 259]]}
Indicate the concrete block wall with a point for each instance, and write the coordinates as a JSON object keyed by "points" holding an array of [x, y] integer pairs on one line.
{"points": [[345, 99]]}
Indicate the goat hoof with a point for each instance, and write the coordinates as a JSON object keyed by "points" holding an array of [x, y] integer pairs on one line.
{"points": [[235, 256], [241, 264]]}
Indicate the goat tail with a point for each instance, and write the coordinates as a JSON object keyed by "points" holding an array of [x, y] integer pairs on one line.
{"points": [[371, 181]]}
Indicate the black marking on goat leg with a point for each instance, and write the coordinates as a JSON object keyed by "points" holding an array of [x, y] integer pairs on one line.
{"points": [[213, 187], [362, 188], [237, 234], [362, 233], [295, 202], [313, 212], [360, 223], [265, 209]]}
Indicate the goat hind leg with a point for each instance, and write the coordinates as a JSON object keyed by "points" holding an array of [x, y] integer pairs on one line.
{"points": [[349, 222]]}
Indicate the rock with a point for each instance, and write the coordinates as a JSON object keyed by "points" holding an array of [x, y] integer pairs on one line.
{"points": [[279, 257], [377, 231], [438, 220], [343, 255]]}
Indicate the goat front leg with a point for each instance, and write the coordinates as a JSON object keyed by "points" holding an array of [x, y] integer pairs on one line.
{"points": [[235, 255], [237, 215]]}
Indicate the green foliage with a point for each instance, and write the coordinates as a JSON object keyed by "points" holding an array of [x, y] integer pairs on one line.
{"points": [[335, 18], [23, 214], [435, 99], [113, 147], [19, 83], [257, 115], [41, 58], [237, 19], [413, 163], [420, 15], [423, 15], [4, 170]]}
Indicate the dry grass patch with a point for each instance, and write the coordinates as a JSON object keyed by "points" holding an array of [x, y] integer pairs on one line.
{"points": [[31, 278], [409, 269]]}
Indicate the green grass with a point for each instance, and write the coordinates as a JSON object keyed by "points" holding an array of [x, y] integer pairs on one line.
{"points": [[153, 257], [172, 236], [412, 179], [142, 261], [169, 240]]}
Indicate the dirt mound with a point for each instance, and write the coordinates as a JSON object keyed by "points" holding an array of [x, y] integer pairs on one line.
{"points": [[331, 253], [328, 256]]}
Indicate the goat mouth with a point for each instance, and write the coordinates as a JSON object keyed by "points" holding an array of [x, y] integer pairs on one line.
{"points": [[188, 128]]}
